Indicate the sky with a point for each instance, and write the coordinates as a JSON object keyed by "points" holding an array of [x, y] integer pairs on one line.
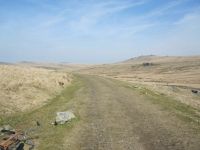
{"points": [[97, 31]]}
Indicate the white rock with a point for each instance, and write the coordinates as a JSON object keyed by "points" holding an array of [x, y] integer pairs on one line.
{"points": [[63, 117]]}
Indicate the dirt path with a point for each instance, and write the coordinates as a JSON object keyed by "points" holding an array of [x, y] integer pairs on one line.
{"points": [[113, 117]]}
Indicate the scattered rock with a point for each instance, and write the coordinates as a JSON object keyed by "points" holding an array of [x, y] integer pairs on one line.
{"points": [[63, 117], [14, 140], [194, 91], [61, 83], [145, 64], [38, 123], [6, 128]]}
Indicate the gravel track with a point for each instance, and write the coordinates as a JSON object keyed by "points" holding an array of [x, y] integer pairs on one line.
{"points": [[113, 117]]}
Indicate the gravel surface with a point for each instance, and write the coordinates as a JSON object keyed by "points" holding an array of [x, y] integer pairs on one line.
{"points": [[113, 117]]}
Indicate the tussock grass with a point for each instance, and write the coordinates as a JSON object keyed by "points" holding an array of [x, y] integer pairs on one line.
{"points": [[24, 88], [50, 136]]}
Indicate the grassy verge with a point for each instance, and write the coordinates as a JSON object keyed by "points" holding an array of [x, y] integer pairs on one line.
{"points": [[184, 112], [49, 136]]}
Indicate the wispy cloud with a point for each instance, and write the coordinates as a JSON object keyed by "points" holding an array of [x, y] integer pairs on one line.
{"points": [[166, 9], [189, 17], [99, 26], [87, 21], [88, 16], [98, 12]]}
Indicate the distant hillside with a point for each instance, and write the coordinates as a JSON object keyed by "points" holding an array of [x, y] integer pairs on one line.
{"points": [[161, 69], [5, 63], [154, 58], [54, 66], [174, 76]]}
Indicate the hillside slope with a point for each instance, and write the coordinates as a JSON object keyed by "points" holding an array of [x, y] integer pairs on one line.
{"points": [[173, 76], [22, 88]]}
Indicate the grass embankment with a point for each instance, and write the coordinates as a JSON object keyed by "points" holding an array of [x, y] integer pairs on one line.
{"points": [[184, 112], [49, 136]]}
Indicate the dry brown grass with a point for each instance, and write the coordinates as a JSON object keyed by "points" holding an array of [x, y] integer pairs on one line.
{"points": [[69, 67], [23, 87], [172, 76]]}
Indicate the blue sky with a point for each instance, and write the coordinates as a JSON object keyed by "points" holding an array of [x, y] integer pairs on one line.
{"points": [[97, 31]]}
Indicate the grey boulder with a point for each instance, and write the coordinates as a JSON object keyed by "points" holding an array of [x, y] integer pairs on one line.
{"points": [[63, 117]]}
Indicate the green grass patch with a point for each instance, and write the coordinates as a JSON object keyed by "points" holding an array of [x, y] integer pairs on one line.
{"points": [[49, 136]]}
